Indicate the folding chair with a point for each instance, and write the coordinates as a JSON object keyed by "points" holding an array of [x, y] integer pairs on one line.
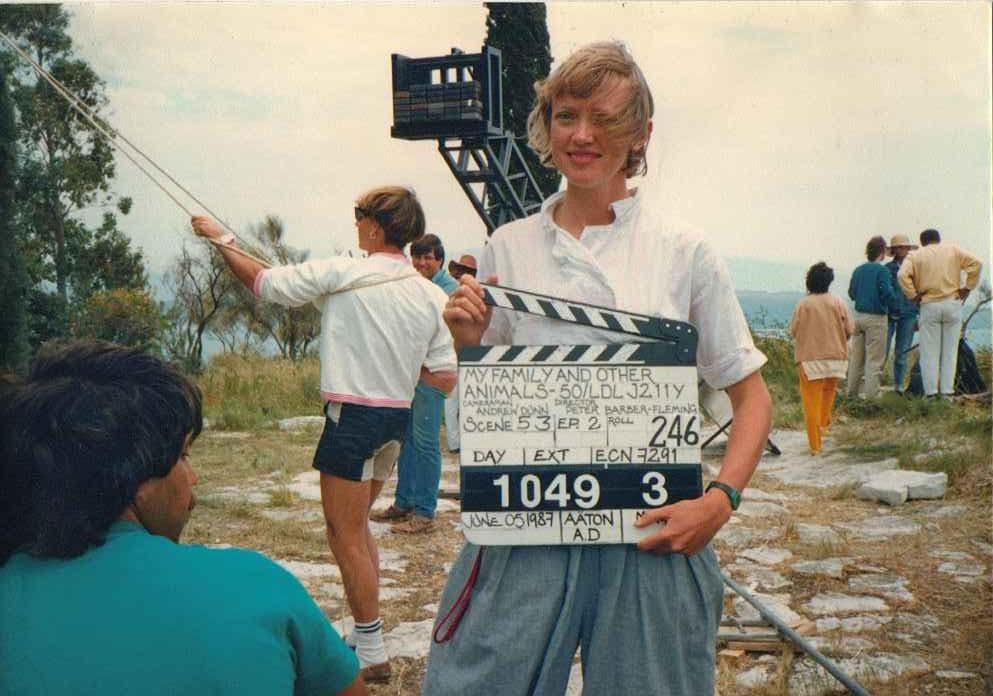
{"points": [[716, 405]]}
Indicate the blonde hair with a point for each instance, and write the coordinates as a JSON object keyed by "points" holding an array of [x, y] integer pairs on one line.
{"points": [[582, 74], [396, 210]]}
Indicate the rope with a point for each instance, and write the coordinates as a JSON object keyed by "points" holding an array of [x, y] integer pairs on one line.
{"points": [[112, 137]]}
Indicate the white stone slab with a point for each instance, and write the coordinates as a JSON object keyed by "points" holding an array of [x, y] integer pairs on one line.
{"points": [[765, 555], [234, 494], [737, 536], [809, 679], [301, 422], [758, 494], [761, 509], [304, 570], [409, 639], [778, 604], [309, 514], [307, 485], [898, 486], [754, 575], [841, 645], [756, 676], [946, 511], [878, 528], [227, 434], [830, 603], [813, 534], [955, 674], [888, 585], [962, 565], [852, 624], [830, 567]]}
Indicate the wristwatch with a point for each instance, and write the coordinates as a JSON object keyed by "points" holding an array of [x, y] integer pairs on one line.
{"points": [[732, 493]]}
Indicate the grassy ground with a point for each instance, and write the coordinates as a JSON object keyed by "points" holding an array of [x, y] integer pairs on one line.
{"points": [[243, 453]]}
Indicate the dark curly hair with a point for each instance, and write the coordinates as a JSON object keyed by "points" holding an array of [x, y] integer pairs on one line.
{"points": [[819, 278], [91, 422]]}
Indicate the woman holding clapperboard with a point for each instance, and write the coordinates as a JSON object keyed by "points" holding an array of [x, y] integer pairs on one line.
{"points": [[645, 616]]}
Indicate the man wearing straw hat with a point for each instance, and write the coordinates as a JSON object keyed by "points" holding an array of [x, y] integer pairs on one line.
{"points": [[903, 313]]}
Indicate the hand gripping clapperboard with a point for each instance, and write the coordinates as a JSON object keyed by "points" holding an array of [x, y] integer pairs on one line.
{"points": [[570, 444]]}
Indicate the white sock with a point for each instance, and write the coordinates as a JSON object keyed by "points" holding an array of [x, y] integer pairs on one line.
{"points": [[350, 639], [369, 645]]}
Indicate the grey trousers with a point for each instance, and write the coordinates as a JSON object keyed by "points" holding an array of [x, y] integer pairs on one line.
{"points": [[645, 624]]}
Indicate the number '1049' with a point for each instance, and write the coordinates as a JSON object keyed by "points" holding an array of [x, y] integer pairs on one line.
{"points": [[584, 492]]}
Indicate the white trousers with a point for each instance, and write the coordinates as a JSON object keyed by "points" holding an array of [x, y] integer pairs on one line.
{"points": [[940, 326], [452, 420]]}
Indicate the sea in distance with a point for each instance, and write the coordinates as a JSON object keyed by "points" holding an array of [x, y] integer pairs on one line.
{"points": [[769, 314]]}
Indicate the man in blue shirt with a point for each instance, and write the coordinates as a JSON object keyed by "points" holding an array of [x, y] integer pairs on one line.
{"points": [[903, 313], [96, 594], [419, 467], [871, 288]]}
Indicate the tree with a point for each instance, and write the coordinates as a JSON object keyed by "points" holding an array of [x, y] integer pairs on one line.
{"points": [[129, 317], [520, 31], [65, 170], [203, 291], [13, 275], [292, 329]]}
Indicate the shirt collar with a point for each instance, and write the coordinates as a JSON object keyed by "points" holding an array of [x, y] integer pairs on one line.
{"points": [[623, 209]]}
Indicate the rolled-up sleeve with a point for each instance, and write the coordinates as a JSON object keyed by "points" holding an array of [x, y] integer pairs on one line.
{"points": [[726, 353], [441, 352]]}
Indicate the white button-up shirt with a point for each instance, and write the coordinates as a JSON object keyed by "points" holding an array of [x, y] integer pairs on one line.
{"points": [[635, 264], [380, 321]]}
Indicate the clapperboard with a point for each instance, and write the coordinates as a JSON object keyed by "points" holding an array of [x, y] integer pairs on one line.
{"points": [[570, 444]]}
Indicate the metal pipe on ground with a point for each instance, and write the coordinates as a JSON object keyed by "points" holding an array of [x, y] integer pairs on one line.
{"points": [[833, 669]]}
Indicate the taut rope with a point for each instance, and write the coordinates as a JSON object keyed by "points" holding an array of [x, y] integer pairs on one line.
{"points": [[113, 136]]}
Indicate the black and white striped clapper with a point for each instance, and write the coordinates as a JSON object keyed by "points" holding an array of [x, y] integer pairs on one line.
{"points": [[570, 444]]}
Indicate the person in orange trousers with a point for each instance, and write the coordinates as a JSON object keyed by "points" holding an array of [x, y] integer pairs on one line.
{"points": [[820, 327]]}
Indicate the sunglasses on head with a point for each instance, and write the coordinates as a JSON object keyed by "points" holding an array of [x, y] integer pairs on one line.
{"points": [[362, 213]]}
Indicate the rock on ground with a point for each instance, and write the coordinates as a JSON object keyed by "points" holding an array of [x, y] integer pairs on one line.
{"points": [[898, 486]]}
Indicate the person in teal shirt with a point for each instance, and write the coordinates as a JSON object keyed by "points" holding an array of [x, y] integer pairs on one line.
{"points": [[96, 594]]}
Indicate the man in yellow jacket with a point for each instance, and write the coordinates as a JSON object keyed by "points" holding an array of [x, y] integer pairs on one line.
{"points": [[932, 276]]}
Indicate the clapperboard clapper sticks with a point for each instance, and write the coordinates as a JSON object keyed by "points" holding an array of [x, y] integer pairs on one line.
{"points": [[569, 444]]}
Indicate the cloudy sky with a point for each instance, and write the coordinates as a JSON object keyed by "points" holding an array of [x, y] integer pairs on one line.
{"points": [[785, 132]]}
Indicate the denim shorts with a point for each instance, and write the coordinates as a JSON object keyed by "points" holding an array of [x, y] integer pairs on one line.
{"points": [[360, 442]]}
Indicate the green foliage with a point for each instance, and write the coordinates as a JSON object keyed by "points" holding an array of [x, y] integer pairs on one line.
{"points": [[249, 392], [13, 275], [984, 361], [64, 169], [125, 316], [781, 378], [520, 31]]}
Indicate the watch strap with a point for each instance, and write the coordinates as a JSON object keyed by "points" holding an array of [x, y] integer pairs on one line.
{"points": [[733, 494]]}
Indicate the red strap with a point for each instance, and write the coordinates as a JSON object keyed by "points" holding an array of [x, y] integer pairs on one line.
{"points": [[461, 604]]}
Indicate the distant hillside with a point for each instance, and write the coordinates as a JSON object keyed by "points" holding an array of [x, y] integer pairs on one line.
{"points": [[770, 312]]}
